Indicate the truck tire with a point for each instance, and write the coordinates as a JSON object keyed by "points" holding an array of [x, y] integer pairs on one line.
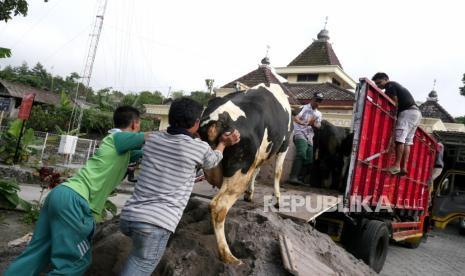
{"points": [[462, 231], [462, 226], [374, 244]]}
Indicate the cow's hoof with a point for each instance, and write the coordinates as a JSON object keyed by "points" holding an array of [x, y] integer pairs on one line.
{"points": [[276, 205], [294, 181], [232, 260], [248, 197]]}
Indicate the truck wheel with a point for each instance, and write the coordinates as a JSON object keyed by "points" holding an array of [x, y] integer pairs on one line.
{"points": [[462, 226], [374, 244], [462, 231]]}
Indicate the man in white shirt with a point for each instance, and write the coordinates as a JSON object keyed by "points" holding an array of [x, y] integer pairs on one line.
{"points": [[307, 119]]}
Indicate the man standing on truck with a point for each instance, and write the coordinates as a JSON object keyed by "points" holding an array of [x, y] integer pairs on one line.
{"points": [[408, 119], [307, 119]]}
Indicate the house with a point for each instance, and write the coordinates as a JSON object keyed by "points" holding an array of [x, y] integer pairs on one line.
{"points": [[316, 69], [159, 113], [263, 74], [436, 118], [11, 95]]}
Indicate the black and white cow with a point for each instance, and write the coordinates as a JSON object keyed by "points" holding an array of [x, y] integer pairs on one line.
{"points": [[263, 117], [332, 148]]}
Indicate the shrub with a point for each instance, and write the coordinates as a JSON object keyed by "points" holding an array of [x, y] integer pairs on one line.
{"points": [[9, 141], [9, 197]]}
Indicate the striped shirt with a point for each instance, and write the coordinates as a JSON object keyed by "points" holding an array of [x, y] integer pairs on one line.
{"points": [[167, 177]]}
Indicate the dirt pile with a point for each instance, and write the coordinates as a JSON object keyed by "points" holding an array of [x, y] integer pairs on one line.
{"points": [[252, 234], [11, 228]]}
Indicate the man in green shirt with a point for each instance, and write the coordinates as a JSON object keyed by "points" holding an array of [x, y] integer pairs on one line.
{"points": [[63, 233]]}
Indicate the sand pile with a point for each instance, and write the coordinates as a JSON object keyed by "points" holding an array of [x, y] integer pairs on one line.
{"points": [[252, 234]]}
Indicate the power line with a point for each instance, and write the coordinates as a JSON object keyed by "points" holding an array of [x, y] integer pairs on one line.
{"points": [[66, 44], [35, 24]]}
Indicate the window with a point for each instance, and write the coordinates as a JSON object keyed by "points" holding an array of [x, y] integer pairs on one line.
{"points": [[459, 183], [444, 188], [461, 155], [454, 183], [307, 77]]}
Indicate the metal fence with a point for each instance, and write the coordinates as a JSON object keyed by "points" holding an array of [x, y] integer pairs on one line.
{"points": [[45, 147]]}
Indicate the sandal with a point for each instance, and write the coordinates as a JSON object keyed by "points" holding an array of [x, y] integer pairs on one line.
{"points": [[403, 172], [394, 170]]}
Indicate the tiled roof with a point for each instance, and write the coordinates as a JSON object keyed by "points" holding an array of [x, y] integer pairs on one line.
{"points": [[305, 91], [18, 90], [318, 53], [262, 74], [432, 109]]}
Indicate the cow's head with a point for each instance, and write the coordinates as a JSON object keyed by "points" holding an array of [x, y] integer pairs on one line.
{"points": [[214, 122], [218, 118], [211, 130]]}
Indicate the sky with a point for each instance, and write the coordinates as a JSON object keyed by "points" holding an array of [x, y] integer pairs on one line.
{"points": [[176, 45]]}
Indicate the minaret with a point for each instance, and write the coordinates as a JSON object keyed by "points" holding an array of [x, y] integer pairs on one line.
{"points": [[433, 95], [266, 61], [323, 35]]}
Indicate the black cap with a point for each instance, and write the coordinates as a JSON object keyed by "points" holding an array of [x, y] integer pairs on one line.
{"points": [[318, 96]]}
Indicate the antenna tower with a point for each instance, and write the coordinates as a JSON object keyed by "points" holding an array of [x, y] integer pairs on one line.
{"points": [[76, 114]]}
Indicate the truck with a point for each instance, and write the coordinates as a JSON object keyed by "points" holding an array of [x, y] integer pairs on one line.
{"points": [[375, 206], [379, 206], [449, 187]]}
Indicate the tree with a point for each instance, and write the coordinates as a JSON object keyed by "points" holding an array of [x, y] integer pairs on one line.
{"points": [[177, 94], [7, 73], [65, 102], [462, 89], [129, 99], [39, 77], [144, 97], [104, 101], [5, 53], [460, 120], [116, 96], [47, 118], [9, 8], [201, 97], [147, 97]]}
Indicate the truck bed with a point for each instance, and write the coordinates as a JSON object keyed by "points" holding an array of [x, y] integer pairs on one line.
{"points": [[320, 200], [374, 151]]}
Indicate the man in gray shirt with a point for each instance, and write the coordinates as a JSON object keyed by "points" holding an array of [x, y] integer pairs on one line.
{"points": [[165, 184], [307, 119]]}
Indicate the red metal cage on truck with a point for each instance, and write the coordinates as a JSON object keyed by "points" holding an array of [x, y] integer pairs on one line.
{"points": [[373, 152], [399, 204]]}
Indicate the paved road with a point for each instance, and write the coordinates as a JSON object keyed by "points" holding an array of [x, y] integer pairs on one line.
{"points": [[442, 254], [31, 192]]}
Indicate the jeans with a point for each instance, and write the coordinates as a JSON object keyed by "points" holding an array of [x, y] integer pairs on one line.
{"points": [[148, 245]]}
